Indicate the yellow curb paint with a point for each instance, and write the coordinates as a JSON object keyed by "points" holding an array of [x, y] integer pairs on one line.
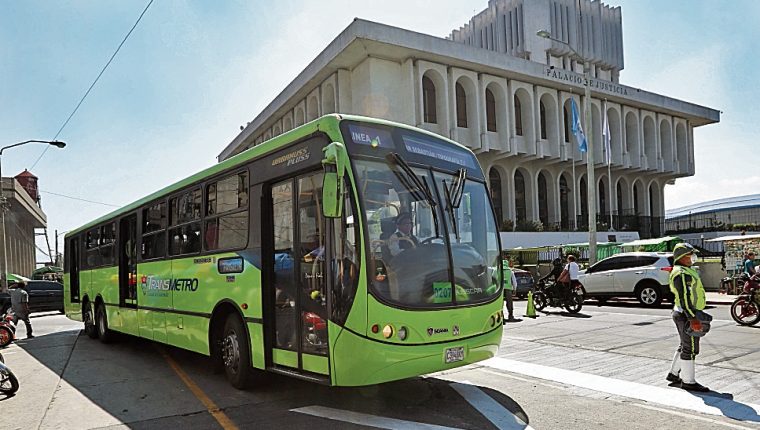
{"points": [[211, 407]]}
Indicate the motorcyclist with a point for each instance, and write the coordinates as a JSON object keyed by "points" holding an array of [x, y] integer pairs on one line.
{"points": [[555, 272]]}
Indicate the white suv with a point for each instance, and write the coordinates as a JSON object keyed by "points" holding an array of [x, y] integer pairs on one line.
{"points": [[644, 275]]}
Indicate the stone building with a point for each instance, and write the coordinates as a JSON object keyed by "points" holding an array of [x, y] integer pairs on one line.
{"points": [[23, 215], [496, 87]]}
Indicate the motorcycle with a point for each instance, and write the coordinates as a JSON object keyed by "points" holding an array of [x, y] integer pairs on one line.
{"points": [[558, 296], [7, 330], [745, 309], [8, 381]]}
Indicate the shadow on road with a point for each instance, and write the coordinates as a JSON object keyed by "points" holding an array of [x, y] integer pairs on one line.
{"points": [[130, 382], [729, 407]]}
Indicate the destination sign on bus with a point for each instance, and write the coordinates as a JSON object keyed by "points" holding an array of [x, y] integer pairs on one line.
{"points": [[429, 148]]}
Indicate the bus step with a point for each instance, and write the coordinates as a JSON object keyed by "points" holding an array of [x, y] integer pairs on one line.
{"points": [[308, 376]]}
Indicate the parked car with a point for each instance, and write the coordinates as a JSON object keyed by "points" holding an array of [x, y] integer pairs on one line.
{"points": [[643, 275], [525, 283], [43, 296]]}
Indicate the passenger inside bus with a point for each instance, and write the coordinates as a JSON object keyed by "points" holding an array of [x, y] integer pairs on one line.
{"points": [[403, 238]]}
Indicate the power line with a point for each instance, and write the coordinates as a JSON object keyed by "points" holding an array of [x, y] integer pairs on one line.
{"points": [[93, 84], [80, 199]]}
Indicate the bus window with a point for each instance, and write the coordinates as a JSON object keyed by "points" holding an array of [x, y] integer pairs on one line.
{"points": [[154, 233], [184, 234], [226, 224], [346, 262]]}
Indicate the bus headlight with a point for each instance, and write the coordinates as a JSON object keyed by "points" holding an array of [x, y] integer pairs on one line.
{"points": [[402, 333], [387, 331]]}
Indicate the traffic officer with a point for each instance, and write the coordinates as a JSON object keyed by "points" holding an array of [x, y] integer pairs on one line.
{"points": [[689, 301], [510, 282]]}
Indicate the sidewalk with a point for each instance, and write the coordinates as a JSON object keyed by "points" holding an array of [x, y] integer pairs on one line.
{"points": [[715, 298]]}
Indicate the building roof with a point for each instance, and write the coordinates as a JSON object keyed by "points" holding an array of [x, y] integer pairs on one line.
{"points": [[724, 204], [363, 39]]}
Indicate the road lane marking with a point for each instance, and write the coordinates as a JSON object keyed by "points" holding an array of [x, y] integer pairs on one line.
{"points": [[365, 419], [499, 416], [673, 397], [211, 407]]}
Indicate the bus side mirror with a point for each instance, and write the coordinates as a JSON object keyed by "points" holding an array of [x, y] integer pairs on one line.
{"points": [[334, 163]]}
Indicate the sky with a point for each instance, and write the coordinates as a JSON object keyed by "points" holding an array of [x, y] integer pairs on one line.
{"points": [[192, 72]]}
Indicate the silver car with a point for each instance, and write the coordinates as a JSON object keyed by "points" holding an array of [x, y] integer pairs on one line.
{"points": [[643, 275]]}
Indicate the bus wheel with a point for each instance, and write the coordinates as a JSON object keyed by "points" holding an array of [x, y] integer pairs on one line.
{"points": [[101, 322], [236, 353], [89, 321]]}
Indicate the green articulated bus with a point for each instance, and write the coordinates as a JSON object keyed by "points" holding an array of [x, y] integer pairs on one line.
{"points": [[348, 251]]}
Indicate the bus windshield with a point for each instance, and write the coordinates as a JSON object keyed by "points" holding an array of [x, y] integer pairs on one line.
{"points": [[432, 236]]}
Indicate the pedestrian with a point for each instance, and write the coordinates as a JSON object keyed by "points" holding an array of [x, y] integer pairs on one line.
{"points": [[510, 283], [749, 263], [690, 319], [20, 305]]}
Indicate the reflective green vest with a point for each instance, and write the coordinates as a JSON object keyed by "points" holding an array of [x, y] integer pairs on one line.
{"points": [[696, 292], [506, 273]]}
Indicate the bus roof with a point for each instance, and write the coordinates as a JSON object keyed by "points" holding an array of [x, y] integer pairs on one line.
{"points": [[327, 123]]}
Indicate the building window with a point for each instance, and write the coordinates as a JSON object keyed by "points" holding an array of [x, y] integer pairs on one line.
{"points": [[429, 101], [566, 123], [490, 111], [543, 200], [564, 203], [461, 106], [620, 207], [494, 182], [518, 117], [520, 206], [542, 118]]}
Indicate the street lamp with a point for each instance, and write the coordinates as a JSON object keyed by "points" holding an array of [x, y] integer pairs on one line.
{"points": [[56, 143], [590, 182]]}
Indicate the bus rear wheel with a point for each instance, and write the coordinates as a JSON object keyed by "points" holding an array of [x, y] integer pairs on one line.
{"points": [[89, 321], [101, 322], [236, 353]]}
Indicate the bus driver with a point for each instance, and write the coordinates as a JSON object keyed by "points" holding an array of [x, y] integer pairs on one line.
{"points": [[403, 238]]}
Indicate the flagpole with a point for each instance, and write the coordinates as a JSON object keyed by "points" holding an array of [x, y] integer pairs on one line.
{"points": [[575, 185], [608, 145]]}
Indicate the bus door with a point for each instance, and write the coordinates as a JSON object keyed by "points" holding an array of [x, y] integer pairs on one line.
{"points": [[296, 255], [128, 261]]}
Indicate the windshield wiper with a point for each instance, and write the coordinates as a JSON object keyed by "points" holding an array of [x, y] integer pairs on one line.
{"points": [[454, 195], [417, 186]]}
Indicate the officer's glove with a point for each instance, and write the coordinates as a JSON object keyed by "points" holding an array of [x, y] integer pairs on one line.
{"points": [[696, 325]]}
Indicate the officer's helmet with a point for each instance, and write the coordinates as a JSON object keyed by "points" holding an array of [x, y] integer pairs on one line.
{"points": [[682, 249]]}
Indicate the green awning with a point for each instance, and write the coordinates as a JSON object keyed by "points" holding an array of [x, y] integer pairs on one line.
{"points": [[653, 245]]}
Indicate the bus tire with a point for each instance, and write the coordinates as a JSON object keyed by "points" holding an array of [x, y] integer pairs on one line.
{"points": [[236, 353], [101, 323], [89, 321]]}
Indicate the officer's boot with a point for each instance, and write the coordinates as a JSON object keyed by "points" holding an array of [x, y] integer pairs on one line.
{"points": [[675, 369], [689, 383]]}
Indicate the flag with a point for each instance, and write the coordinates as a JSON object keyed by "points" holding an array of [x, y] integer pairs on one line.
{"points": [[607, 138], [580, 137]]}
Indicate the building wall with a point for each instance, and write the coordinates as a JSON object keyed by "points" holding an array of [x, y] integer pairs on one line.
{"points": [[590, 27], [647, 150]]}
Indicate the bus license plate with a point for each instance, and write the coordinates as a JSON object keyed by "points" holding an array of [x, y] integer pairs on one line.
{"points": [[454, 354]]}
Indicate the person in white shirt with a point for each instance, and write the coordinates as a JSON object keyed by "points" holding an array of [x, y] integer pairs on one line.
{"points": [[574, 270]]}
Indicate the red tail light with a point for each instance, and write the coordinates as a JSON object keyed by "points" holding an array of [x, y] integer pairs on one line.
{"points": [[667, 269]]}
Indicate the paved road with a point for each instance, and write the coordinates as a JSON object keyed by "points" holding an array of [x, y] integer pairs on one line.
{"points": [[603, 369]]}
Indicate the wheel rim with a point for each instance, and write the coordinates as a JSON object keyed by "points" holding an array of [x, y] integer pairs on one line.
{"points": [[648, 295], [102, 324], [231, 352], [88, 315], [745, 311], [5, 381]]}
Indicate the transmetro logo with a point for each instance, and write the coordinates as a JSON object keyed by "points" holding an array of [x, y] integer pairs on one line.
{"points": [[157, 287]]}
